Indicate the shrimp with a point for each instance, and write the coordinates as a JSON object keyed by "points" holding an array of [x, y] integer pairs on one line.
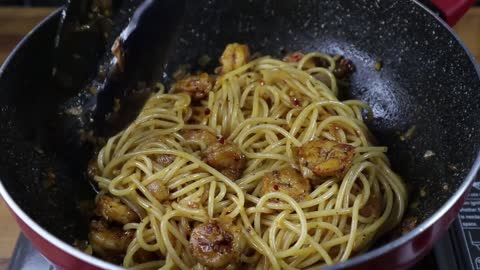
{"points": [[196, 86], [226, 157], [288, 181], [158, 190], [113, 210], [199, 135], [234, 56], [164, 160], [324, 158], [216, 243], [109, 242]]}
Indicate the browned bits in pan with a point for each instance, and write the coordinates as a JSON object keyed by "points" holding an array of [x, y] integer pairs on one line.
{"points": [[117, 50], [294, 57], [344, 68], [408, 224], [373, 207]]}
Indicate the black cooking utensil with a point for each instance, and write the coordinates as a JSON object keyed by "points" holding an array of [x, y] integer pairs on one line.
{"points": [[140, 55], [129, 45], [86, 30]]}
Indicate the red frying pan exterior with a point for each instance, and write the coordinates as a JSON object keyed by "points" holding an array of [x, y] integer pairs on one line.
{"points": [[453, 10]]}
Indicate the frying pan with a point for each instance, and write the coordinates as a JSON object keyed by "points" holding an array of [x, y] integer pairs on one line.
{"points": [[429, 86]]}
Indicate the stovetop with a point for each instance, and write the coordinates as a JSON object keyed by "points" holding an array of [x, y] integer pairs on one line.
{"points": [[26, 257], [459, 249]]}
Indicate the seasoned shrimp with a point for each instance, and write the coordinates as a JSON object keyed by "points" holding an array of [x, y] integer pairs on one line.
{"points": [[164, 160], [199, 135], [226, 157], [216, 243], [109, 242], [325, 158], [196, 86], [288, 181], [113, 210], [158, 190], [234, 56]]}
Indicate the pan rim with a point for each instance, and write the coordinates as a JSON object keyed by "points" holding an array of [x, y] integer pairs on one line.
{"points": [[90, 259]]}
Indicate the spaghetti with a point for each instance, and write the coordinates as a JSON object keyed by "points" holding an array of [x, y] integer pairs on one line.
{"points": [[262, 167]]}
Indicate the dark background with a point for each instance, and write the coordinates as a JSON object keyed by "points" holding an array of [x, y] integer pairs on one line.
{"points": [[32, 2], [53, 2]]}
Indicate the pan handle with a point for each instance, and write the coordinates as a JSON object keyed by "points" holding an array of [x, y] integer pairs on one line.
{"points": [[452, 10]]}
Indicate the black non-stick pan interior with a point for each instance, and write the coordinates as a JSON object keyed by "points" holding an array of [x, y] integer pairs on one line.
{"points": [[427, 84]]}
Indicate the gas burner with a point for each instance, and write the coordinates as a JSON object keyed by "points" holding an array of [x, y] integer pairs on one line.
{"points": [[26, 257]]}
